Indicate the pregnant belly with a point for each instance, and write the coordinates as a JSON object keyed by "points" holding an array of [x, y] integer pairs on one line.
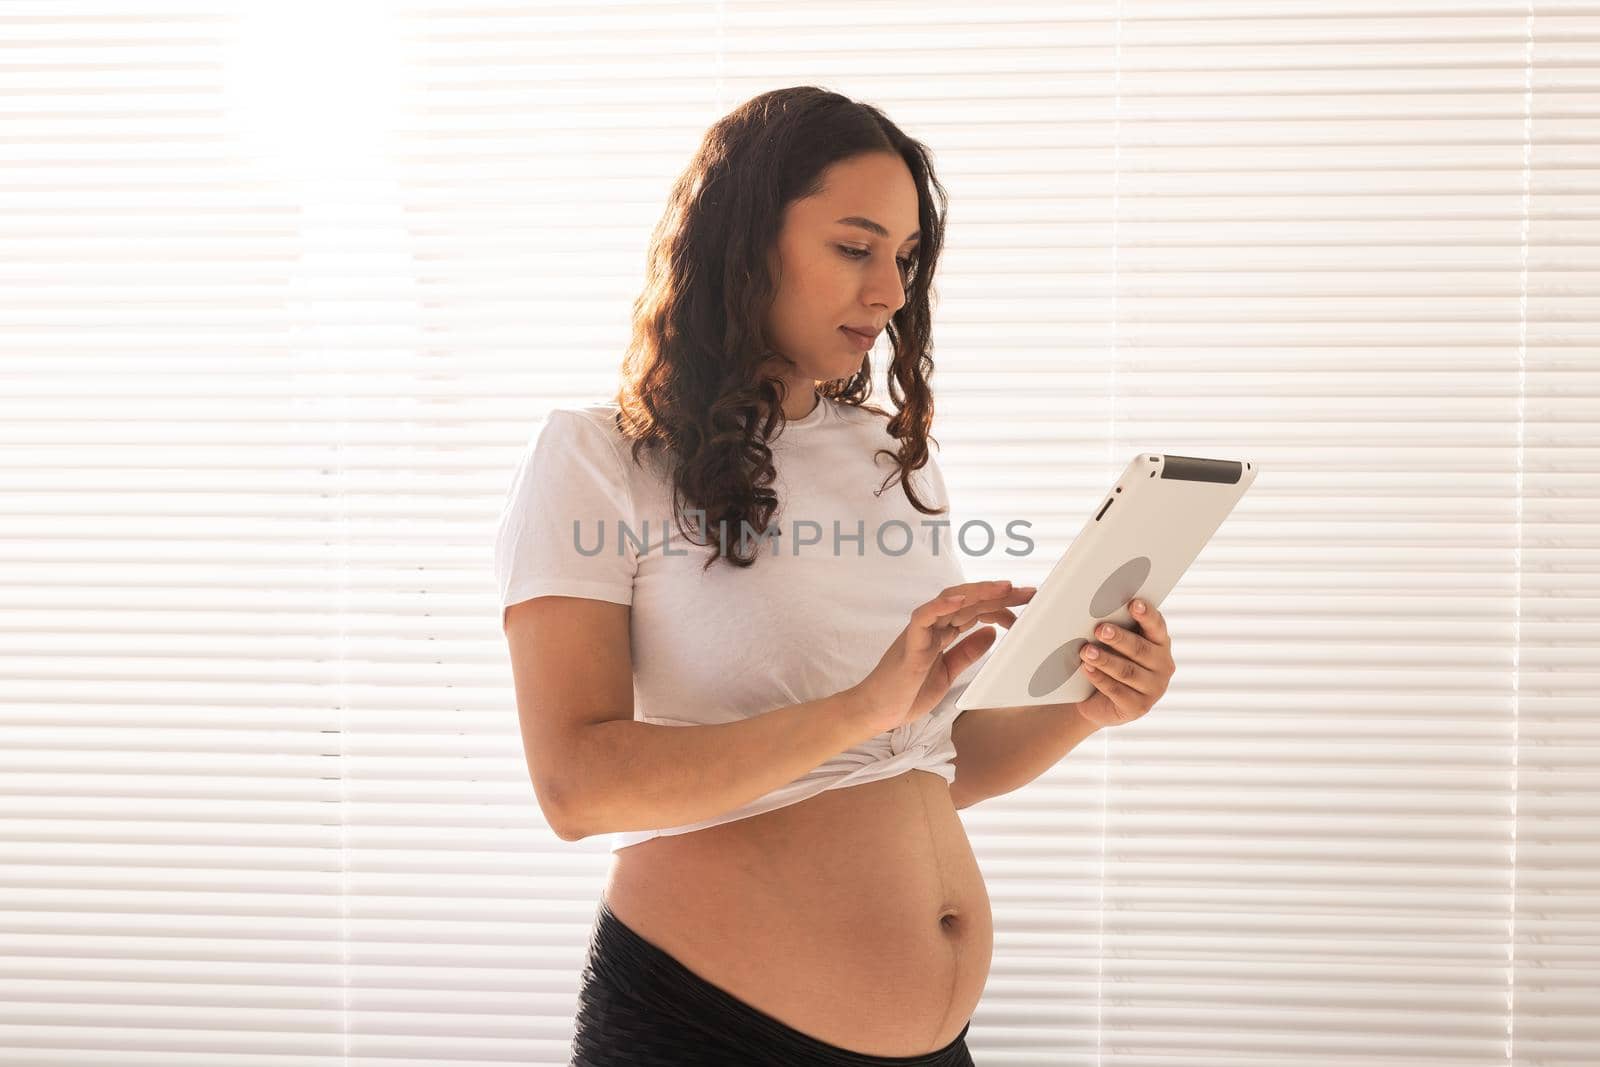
{"points": [[857, 916]]}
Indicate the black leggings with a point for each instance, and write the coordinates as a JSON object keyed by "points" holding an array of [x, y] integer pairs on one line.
{"points": [[640, 1007]]}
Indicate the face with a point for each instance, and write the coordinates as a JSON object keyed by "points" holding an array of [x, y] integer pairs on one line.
{"points": [[833, 273]]}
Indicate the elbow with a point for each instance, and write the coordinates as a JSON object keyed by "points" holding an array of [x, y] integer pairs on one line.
{"points": [[561, 824], [573, 802], [558, 813]]}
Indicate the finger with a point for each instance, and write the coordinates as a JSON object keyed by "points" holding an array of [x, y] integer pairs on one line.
{"points": [[973, 592], [966, 652], [955, 624], [985, 608], [927, 628], [976, 591], [947, 629], [1121, 670], [953, 612], [1130, 645], [1129, 704], [946, 634], [949, 638], [930, 614], [1002, 616], [1151, 622]]}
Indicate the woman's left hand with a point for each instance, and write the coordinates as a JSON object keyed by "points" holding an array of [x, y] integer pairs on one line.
{"points": [[1132, 668]]}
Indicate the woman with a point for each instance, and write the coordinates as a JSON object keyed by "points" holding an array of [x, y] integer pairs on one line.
{"points": [[757, 713]]}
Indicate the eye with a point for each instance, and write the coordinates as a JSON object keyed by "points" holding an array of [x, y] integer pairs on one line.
{"points": [[861, 253]]}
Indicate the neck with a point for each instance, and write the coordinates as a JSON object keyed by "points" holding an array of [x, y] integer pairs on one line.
{"points": [[801, 402]]}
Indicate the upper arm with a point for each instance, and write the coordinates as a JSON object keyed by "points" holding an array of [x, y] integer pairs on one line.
{"points": [[566, 606], [560, 525], [572, 665]]}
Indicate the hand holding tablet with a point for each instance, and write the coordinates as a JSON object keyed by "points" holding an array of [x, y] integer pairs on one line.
{"points": [[1138, 543]]}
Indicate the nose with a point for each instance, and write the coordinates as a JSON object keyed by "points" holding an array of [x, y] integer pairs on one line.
{"points": [[886, 287]]}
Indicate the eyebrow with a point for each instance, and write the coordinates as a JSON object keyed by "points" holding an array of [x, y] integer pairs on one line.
{"points": [[873, 227]]}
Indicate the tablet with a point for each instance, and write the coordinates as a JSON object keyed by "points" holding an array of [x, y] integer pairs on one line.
{"points": [[1138, 542]]}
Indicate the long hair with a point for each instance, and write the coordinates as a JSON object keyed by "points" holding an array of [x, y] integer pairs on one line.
{"points": [[693, 379]]}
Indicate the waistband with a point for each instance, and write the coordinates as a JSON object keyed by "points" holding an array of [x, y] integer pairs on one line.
{"points": [[717, 1021]]}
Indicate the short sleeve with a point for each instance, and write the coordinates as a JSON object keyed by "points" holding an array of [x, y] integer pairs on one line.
{"points": [[560, 529], [944, 713], [938, 496], [934, 479]]}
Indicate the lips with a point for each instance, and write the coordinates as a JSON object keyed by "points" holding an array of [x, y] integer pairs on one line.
{"points": [[865, 340]]}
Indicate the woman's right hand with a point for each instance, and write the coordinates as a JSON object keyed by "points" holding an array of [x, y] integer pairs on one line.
{"points": [[920, 666]]}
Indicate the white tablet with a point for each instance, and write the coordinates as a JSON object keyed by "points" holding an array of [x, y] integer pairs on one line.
{"points": [[1152, 524]]}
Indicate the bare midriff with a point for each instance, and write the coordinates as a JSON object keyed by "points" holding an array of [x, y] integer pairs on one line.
{"points": [[858, 916]]}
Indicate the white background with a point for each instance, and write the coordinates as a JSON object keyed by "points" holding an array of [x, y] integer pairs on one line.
{"points": [[285, 288]]}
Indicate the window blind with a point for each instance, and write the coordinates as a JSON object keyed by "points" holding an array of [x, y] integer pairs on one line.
{"points": [[289, 286]]}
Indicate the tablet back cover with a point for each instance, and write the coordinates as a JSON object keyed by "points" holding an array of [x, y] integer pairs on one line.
{"points": [[1140, 539]]}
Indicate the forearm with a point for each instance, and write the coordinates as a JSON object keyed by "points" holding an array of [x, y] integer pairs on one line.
{"points": [[630, 775], [1002, 749]]}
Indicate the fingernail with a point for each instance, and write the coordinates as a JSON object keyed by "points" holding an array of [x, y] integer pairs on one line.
{"points": [[1138, 607]]}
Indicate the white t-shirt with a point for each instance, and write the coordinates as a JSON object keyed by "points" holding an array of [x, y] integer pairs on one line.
{"points": [[804, 621]]}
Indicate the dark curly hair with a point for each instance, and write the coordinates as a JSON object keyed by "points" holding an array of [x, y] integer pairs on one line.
{"points": [[693, 379]]}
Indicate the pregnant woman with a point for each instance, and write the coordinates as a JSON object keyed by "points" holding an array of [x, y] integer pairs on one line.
{"points": [[736, 620]]}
